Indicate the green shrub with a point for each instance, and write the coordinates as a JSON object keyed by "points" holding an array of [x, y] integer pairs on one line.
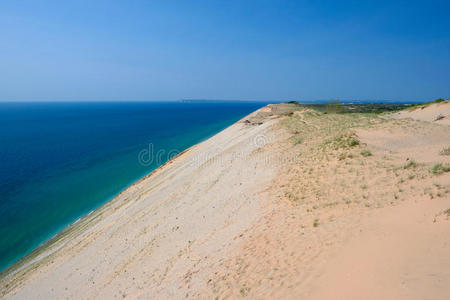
{"points": [[410, 164], [342, 156], [366, 153], [299, 141], [440, 168], [316, 223], [343, 141]]}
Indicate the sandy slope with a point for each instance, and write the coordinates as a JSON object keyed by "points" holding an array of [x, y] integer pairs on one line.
{"points": [[279, 205], [156, 236], [438, 112]]}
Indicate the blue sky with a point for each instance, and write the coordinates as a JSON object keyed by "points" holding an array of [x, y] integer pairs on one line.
{"points": [[247, 50]]}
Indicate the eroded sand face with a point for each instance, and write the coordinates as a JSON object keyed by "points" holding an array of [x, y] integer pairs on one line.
{"points": [[281, 204]]}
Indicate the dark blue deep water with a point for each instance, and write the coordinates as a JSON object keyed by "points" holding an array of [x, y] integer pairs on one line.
{"points": [[59, 161]]}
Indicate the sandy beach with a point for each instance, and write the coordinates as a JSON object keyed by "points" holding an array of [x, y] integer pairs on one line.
{"points": [[287, 203]]}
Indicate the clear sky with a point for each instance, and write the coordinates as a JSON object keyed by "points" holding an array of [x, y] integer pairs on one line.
{"points": [[249, 50]]}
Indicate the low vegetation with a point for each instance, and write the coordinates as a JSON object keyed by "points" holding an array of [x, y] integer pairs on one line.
{"points": [[440, 168], [410, 165], [445, 151], [316, 223], [447, 212], [425, 104], [343, 141], [366, 153], [334, 107], [299, 141], [337, 107]]}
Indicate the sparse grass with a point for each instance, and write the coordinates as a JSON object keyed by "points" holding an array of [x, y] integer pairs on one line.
{"points": [[316, 223], [291, 196], [447, 212], [440, 168], [352, 141], [244, 291], [342, 156], [445, 151], [366, 153], [329, 141], [298, 141], [343, 141], [330, 204], [410, 164]]}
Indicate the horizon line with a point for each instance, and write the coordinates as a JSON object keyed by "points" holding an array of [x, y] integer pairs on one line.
{"points": [[187, 100]]}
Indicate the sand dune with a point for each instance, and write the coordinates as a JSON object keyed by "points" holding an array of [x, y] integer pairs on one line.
{"points": [[436, 112], [287, 203]]}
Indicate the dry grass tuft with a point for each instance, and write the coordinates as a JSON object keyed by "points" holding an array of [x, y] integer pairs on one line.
{"points": [[445, 151]]}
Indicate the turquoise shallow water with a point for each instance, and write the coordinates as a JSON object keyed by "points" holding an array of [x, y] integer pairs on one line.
{"points": [[59, 161]]}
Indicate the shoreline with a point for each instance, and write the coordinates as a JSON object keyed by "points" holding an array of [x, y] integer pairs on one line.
{"points": [[45, 248], [132, 196], [45, 193], [11, 269], [30, 257], [284, 202]]}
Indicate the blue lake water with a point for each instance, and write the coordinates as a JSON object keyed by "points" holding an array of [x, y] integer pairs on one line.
{"points": [[59, 161]]}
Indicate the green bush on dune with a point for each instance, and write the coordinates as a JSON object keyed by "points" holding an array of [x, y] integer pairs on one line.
{"points": [[440, 168]]}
